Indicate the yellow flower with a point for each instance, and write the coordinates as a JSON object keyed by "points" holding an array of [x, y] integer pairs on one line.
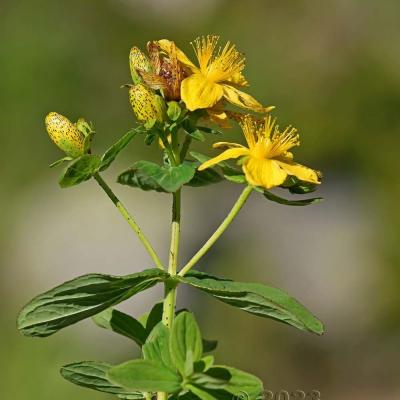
{"points": [[218, 75], [266, 161], [65, 134]]}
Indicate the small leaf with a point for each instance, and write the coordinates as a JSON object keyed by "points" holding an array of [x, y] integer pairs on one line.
{"points": [[110, 155], [93, 375], [60, 161], [209, 130], [157, 346], [154, 317], [238, 383], [201, 393], [81, 298], [203, 178], [229, 173], [146, 376], [280, 200], [257, 299], [236, 177], [121, 323], [204, 364], [80, 170], [150, 176], [173, 110], [185, 344], [197, 135], [209, 345]]}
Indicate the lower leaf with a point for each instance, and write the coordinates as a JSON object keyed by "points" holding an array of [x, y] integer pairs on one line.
{"points": [[146, 376], [93, 375]]}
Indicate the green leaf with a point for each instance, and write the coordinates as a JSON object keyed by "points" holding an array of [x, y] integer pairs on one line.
{"points": [[204, 364], [203, 178], [121, 323], [229, 173], [173, 110], [209, 345], [151, 319], [257, 299], [197, 135], [186, 344], [80, 170], [81, 298], [297, 186], [93, 375], [157, 346], [110, 155], [236, 382], [146, 376], [60, 161], [201, 393], [280, 200], [209, 130], [235, 177], [150, 176]]}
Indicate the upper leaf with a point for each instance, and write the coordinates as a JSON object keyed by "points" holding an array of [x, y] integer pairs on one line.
{"points": [[81, 298], [80, 170], [121, 323], [258, 299], [110, 155], [186, 343], [93, 375], [146, 376], [150, 176], [157, 346]]}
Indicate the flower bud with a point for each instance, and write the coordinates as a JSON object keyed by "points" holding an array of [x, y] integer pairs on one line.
{"points": [[65, 134], [138, 61], [146, 104]]}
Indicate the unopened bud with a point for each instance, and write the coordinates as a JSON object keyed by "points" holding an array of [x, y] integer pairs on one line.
{"points": [[65, 134], [138, 61], [146, 104]]}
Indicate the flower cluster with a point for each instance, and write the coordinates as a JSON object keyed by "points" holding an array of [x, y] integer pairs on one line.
{"points": [[215, 80], [170, 92]]}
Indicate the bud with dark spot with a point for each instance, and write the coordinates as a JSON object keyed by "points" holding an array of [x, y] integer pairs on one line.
{"points": [[146, 104], [65, 134]]}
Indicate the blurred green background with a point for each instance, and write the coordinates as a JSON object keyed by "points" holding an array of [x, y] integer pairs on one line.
{"points": [[332, 69]]}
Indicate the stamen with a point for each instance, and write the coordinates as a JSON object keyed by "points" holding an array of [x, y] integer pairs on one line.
{"points": [[204, 48], [227, 62], [283, 141]]}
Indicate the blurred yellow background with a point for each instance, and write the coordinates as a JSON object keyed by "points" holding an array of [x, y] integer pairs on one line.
{"points": [[332, 68]]}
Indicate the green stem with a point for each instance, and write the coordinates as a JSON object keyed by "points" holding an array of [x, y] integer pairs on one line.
{"points": [[125, 214], [171, 286], [220, 230]]}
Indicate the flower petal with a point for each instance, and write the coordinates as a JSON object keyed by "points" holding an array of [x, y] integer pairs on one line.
{"points": [[244, 100], [167, 46], [198, 92], [226, 155], [227, 145], [299, 171], [264, 172]]}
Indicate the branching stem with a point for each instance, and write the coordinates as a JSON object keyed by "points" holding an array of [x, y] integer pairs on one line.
{"points": [[125, 214]]}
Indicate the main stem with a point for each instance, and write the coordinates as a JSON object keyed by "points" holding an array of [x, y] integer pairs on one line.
{"points": [[220, 230], [170, 285], [125, 214]]}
